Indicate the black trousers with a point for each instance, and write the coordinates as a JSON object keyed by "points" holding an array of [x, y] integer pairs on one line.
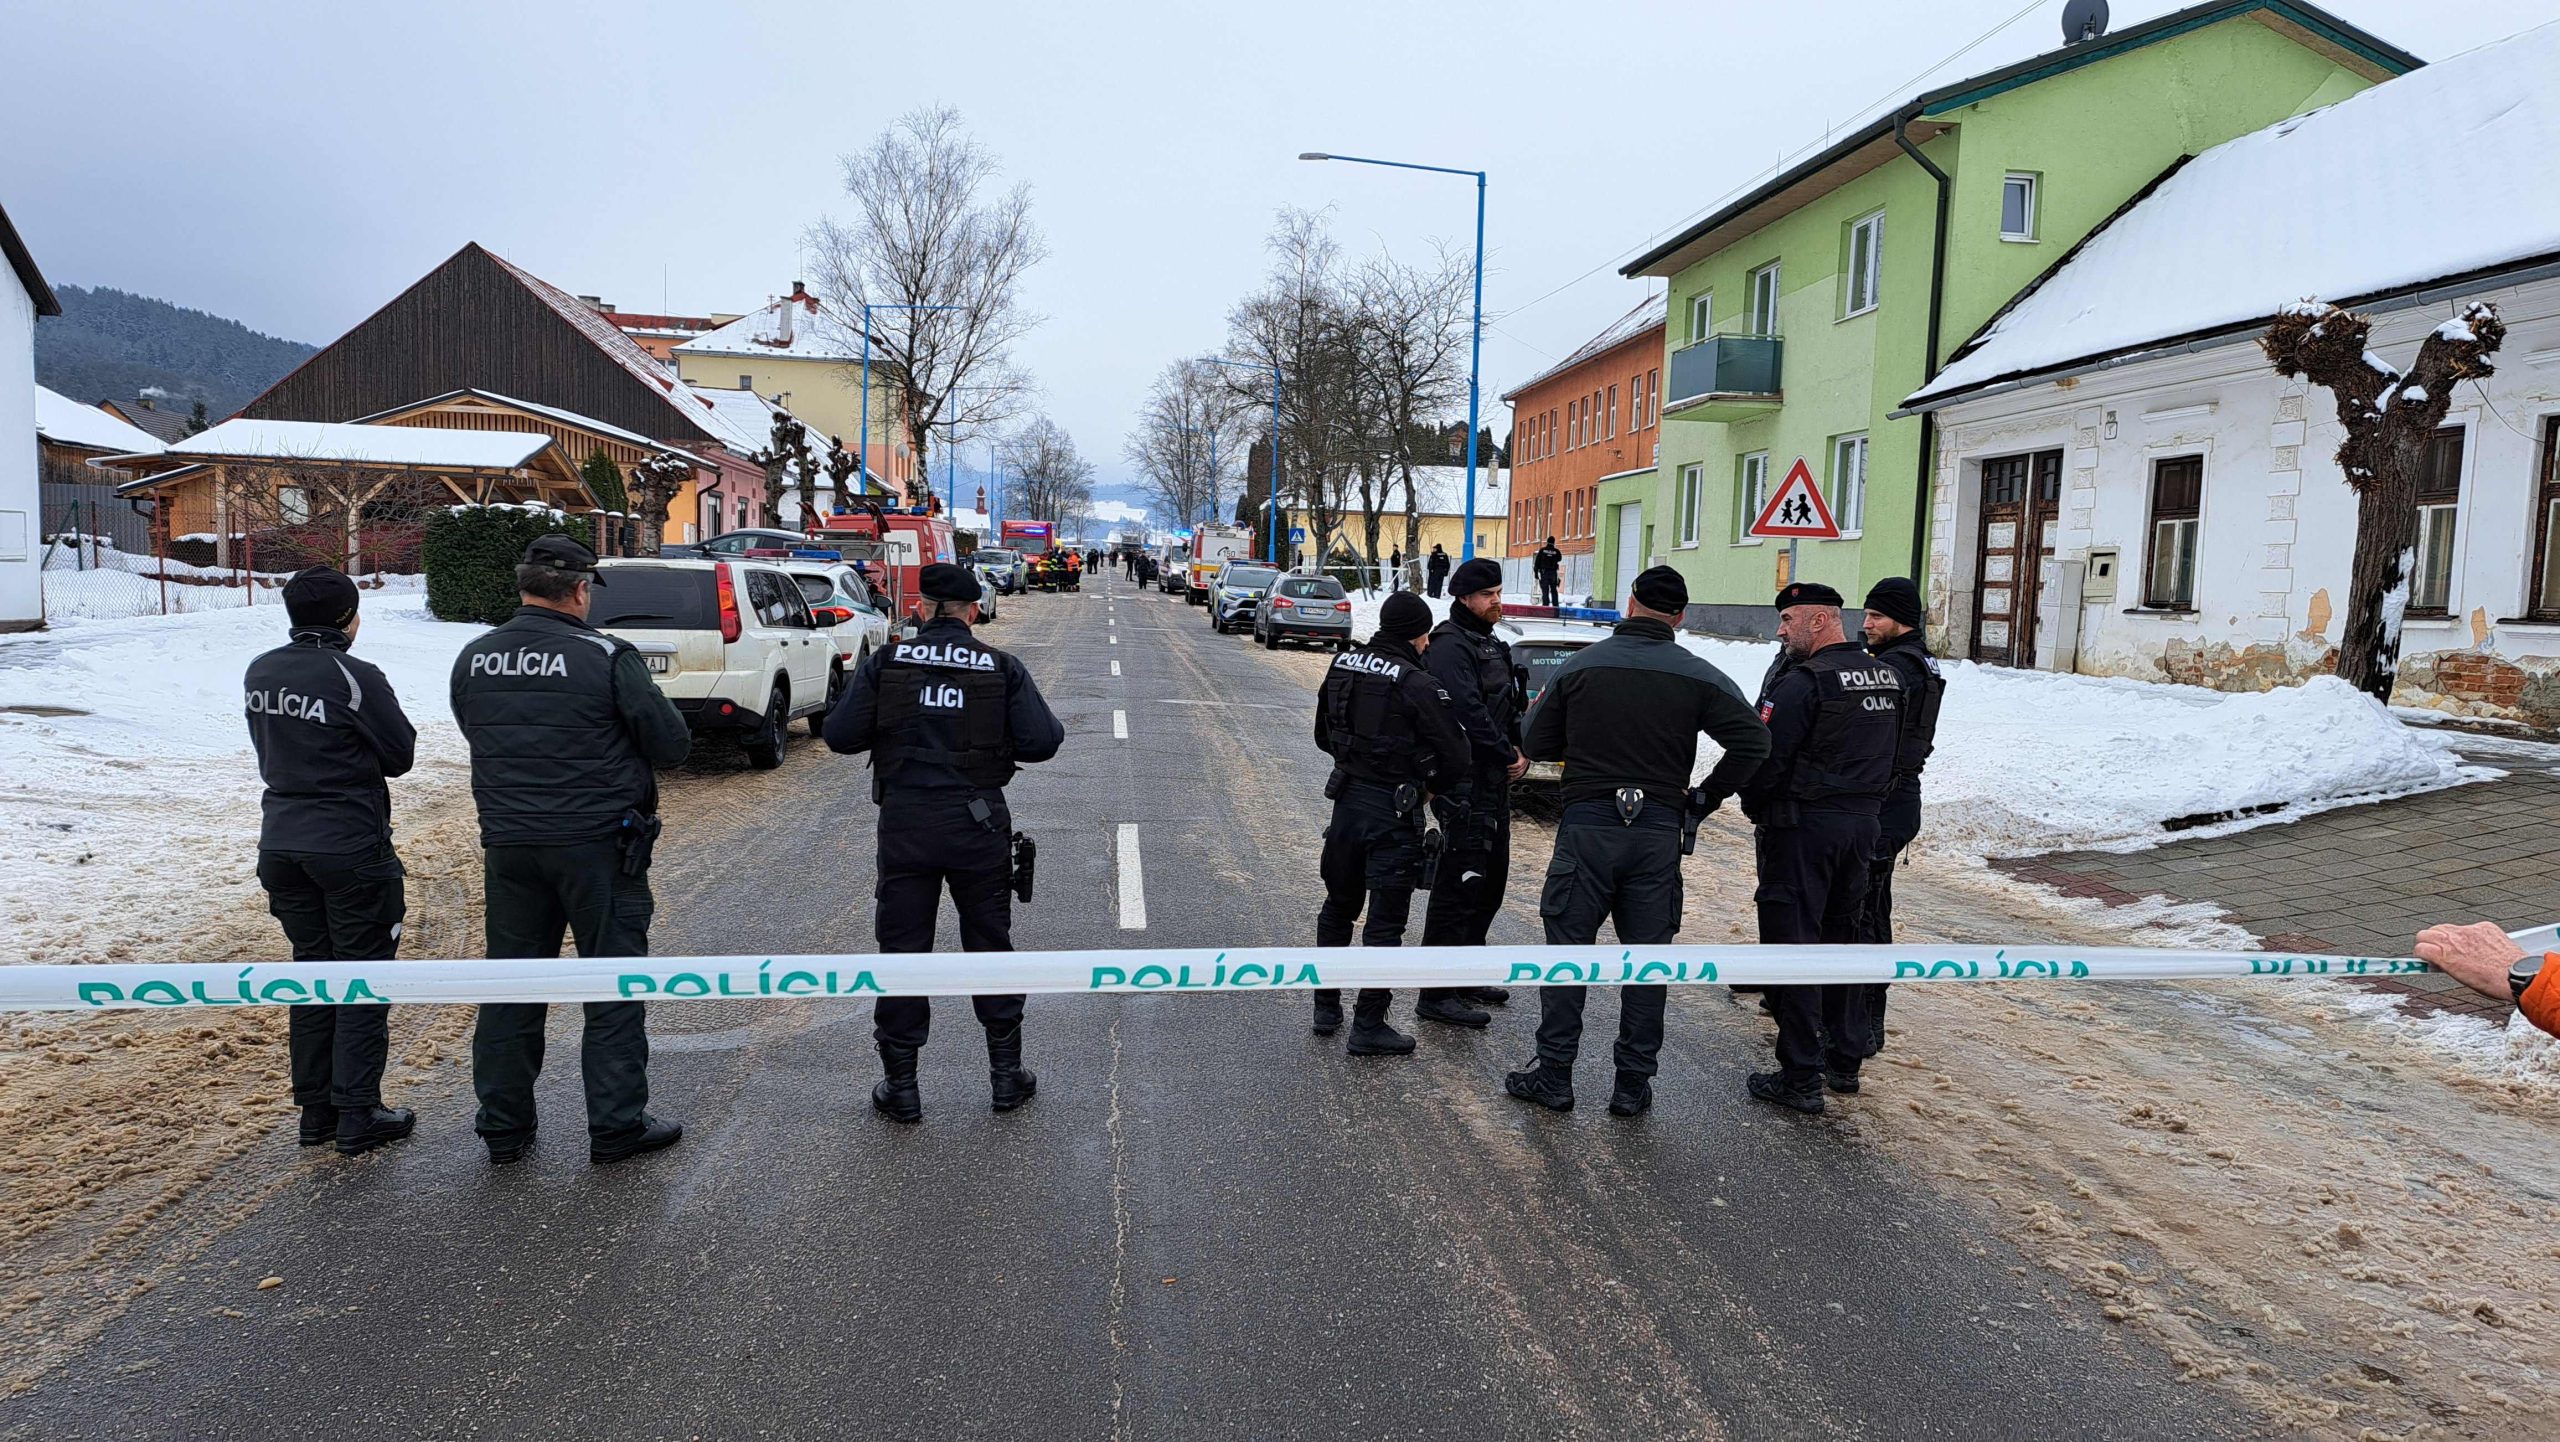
{"points": [[1437, 581], [1813, 888], [1630, 877], [337, 908], [1372, 861], [536, 894], [935, 844], [1547, 590], [1895, 828], [1468, 894]]}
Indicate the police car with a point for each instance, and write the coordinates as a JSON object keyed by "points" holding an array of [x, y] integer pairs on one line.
{"points": [[856, 616], [733, 643], [1538, 647]]}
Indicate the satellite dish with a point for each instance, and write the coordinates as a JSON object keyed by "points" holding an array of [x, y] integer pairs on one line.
{"points": [[2083, 20]]}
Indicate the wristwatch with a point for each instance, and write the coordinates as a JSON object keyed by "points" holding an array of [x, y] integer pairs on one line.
{"points": [[2521, 975]]}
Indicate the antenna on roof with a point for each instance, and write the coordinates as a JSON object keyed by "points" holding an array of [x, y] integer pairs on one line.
{"points": [[2083, 20]]}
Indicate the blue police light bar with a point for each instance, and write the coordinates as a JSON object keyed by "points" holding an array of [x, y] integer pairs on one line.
{"points": [[810, 553], [1588, 613]]}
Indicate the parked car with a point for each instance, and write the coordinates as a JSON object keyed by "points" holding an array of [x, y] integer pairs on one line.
{"points": [[732, 643], [853, 615], [734, 543], [1003, 568], [1237, 588], [1314, 609], [1538, 647]]}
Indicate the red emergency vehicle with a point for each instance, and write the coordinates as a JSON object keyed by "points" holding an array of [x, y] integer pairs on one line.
{"points": [[1025, 538], [893, 546]]}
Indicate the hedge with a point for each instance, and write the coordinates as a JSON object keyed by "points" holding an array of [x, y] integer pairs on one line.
{"points": [[471, 552]]}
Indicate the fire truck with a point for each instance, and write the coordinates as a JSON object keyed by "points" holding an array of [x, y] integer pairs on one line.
{"points": [[893, 547], [1025, 538]]}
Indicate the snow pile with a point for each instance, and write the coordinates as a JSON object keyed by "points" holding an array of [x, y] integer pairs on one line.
{"points": [[127, 768]]}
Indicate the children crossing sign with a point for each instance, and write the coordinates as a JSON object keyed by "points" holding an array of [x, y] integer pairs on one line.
{"points": [[1796, 510]]}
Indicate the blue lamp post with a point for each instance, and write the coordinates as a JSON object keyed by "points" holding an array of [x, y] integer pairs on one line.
{"points": [[1475, 348], [862, 443], [1271, 482]]}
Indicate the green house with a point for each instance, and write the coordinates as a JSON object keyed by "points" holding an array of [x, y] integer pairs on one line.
{"points": [[1804, 311]]}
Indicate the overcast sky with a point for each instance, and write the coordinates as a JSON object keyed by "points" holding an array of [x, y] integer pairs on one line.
{"points": [[293, 166]]}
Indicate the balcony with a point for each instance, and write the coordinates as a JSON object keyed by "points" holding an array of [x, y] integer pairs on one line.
{"points": [[1724, 378]]}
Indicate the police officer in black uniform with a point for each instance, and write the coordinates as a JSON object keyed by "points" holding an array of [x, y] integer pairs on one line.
{"points": [[1623, 715], [1387, 725], [1835, 720], [1895, 636], [564, 725], [329, 733], [947, 719], [1473, 665]]}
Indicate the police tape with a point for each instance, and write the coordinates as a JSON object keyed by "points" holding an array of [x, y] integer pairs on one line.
{"points": [[52, 987]]}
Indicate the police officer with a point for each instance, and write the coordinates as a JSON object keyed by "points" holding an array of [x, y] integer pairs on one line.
{"points": [[1474, 666], [1623, 715], [947, 719], [1437, 568], [1895, 636], [329, 733], [1547, 565], [1835, 720], [564, 725], [1386, 723]]}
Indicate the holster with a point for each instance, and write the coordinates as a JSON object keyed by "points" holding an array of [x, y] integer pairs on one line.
{"points": [[1026, 857], [1701, 806], [1434, 841], [1334, 783], [637, 840]]}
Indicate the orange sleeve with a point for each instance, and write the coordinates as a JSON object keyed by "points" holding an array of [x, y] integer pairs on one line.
{"points": [[2541, 1001]]}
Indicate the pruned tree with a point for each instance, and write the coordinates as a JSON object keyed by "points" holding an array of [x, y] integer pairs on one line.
{"points": [[787, 460], [840, 468], [2388, 416], [653, 487], [942, 259], [1051, 482]]}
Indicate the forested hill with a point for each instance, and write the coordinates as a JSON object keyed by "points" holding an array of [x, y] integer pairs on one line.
{"points": [[108, 344]]}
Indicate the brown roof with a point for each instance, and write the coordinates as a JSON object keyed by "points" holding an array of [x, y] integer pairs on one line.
{"points": [[163, 426], [24, 263]]}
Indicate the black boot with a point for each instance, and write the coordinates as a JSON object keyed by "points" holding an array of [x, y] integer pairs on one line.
{"points": [[1489, 995], [655, 1135], [895, 1093], [319, 1125], [361, 1129], [1449, 1008], [1633, 1096], [1777, 1087], [1843, 1080], [508, 1150], [1328, 1012], [1370, 1034], [1549, 1087], [1013, 1085]]}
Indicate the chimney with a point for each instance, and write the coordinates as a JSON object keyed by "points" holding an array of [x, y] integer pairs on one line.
{"points": [[782, 326], [800, 291]]}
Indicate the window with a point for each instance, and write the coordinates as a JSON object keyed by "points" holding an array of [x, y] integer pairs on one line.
{"points": [[1750, 493], [1611, 433], [1702, 315], [294, 504], [1866, 265], [1551, 430], [1692, 479], [1653, 396], [2177, 508], [2018, 207], [1764, 300], [1635, 401], [2546, 575], [1849, 483], [2439, 500], [746, 383]]}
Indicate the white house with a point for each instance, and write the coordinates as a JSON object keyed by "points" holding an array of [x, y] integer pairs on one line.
{"points": [[23, 297], [2126, 487]]}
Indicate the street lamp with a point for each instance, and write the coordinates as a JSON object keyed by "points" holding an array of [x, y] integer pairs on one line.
{"points": [[1271, 479], [1475, 350], [862, 443]]}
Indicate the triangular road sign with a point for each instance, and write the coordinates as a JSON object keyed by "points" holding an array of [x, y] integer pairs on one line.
{"points": [[1797, 510]]}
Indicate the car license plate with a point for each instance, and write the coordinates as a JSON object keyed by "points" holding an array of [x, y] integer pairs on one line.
{"points": [[656, 664]]}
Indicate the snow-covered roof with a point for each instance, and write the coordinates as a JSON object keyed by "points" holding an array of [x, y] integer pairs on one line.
{"points": [[425, 446], [744, 420], [816, 333], [1649, 313], [2425, 177], [572, 418], [66, 422], [620, 348], [1115, 513], [1442, 491]]}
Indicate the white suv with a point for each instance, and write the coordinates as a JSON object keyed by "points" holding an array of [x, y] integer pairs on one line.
{"points": [[859, 618], [732, 643]]}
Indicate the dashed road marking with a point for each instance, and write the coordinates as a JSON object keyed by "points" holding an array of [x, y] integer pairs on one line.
{"points": [[1133, 881], [1115, 668], [1115, 640], [1119, 725]]}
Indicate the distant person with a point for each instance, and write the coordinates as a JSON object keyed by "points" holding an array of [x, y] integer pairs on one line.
{"points": [[1548, 566], [1437, 569], [329, 735], [2484, 958], [1395, 569]]}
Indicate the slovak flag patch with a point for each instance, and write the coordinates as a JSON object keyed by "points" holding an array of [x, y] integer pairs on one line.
{"points": [[1765, 708]]}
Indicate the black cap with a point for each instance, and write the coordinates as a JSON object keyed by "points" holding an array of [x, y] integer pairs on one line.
{"points": [[1473, 576], [1899, 598], [942, 581], [563, 553], [320, 596], [1662, 589], [1808, 593], [1404, 617]]}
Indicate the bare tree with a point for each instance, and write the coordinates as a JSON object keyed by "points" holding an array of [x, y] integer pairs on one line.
{"points": [[2388, 416], [300, 513], [1188, 436], [652, 489], [1414, 321], [788, 462], [1300, 324], [840, 468], [945, 263], [1051, 482]]}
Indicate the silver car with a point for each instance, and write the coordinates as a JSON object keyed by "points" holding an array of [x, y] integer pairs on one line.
{"points": [[1239, 587], [1313, 609]]}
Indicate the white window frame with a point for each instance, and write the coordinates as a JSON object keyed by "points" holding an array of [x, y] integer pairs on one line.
{"points": [[1609, 424], [1849, 483], [1751, 492], [1702, 316], [1693, 482], [2034, 186], [1768, 285], [1865, 276]]}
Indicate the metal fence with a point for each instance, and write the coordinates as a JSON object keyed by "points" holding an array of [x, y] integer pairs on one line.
{"points": [[103, 562]]}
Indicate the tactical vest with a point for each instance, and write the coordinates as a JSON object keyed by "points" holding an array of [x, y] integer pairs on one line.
{"points": [[1924, 687], [1847, 761], [1490, 659], [1373, 735], [942, 702], [550, 758]]}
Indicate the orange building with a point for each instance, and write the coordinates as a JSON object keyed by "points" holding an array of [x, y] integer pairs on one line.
{"points": [[1590, 417]]}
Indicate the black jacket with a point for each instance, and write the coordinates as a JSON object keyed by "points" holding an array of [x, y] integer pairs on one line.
{"points": [[329, 733], [1474, 667], [1438, 565], [1383, 718], [1834, 719], [918, 749], [1547, 561], [1627, 712], [564, 725], [1923, 687]]}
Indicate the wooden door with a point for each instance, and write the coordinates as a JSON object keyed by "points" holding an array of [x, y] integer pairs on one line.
{"points": [[2021, 499]]}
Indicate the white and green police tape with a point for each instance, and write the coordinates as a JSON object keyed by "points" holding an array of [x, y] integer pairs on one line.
{"points": [[48, 987]]}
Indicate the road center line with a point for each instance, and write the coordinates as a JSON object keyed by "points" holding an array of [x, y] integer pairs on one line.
{"points": [[1119, 725], [1115, 640], [1133, 881], [1115, 668]]}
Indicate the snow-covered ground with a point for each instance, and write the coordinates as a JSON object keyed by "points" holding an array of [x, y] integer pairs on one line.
{"points": [[126, 776]]}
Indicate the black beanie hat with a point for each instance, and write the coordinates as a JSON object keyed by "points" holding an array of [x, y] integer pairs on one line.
{"points": [[1404, 617], [1662, 589], [1473, 576], [943, 581], [1809, 593], [1899, 598], [320, 596]]}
